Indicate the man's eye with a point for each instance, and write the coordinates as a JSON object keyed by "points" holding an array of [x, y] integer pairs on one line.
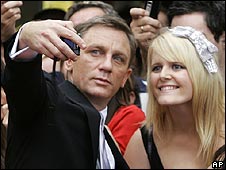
{"points": [[118, 58], [95, 52]]}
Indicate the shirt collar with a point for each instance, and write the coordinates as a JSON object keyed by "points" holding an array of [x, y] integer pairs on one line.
{"points": [[103, 113]]}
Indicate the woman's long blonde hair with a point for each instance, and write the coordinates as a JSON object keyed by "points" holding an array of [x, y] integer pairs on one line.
{"points": [[208, 102]]}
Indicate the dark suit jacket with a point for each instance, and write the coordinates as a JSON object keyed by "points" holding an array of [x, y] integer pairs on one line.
{"points": [[50, 126]]}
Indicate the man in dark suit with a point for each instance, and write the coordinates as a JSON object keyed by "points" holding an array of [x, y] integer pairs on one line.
{"points": [[61, 126]]}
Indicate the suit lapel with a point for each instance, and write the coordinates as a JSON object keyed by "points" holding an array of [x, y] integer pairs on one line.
{"points": [[93, 115]]}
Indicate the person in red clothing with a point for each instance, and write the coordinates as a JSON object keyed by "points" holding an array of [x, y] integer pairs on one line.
{"points": [[127, 116]]}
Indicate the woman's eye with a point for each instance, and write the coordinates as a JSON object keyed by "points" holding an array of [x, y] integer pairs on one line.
{"points": [[177, 67], [157, 68]]}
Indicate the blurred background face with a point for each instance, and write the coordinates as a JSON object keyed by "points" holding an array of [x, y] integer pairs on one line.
{"points": [[102, 68], [47, 64], [4, 106], [162, 17], [195, 20], [85, 14]]}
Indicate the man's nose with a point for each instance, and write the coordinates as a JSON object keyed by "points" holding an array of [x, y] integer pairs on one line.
{"points": [[107, 63]]}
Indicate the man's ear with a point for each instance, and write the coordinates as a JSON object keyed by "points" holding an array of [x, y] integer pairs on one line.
{"points": [[68, 69], [126, 76], [69, 65]]}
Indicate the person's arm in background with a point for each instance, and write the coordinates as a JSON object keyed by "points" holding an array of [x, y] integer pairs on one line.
{"points": [[10, 13], [144, 29]]}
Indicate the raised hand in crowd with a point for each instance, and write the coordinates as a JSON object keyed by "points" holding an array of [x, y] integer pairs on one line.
{"points": [[144, 29], [10, 13]]}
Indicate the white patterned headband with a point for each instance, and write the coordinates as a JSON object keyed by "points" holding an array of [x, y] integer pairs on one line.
{"points": [[204, 47]]}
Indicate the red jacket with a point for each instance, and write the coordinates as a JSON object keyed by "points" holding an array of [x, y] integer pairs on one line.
{"points": [[126, 120]]}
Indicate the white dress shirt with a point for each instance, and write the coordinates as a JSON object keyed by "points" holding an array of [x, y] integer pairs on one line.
{"points": [[13, 53], [106, 159]]}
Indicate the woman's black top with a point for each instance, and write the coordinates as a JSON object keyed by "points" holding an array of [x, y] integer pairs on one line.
{"points": [[151, 149], [153, 155]]}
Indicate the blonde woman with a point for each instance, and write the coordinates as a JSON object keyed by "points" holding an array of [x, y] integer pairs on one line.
{"points": [[185, 120]]}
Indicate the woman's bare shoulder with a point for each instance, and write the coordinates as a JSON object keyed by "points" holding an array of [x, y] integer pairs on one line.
{"points": [[135, 153]]}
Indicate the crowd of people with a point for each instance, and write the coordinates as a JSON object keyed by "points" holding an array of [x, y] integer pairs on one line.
{"points": [[143, 95]]}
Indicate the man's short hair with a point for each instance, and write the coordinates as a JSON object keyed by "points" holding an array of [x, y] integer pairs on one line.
{"points": [[113, 22]]}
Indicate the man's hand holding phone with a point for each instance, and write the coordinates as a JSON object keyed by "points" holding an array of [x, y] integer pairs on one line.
{"points": [[45, 37]]}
